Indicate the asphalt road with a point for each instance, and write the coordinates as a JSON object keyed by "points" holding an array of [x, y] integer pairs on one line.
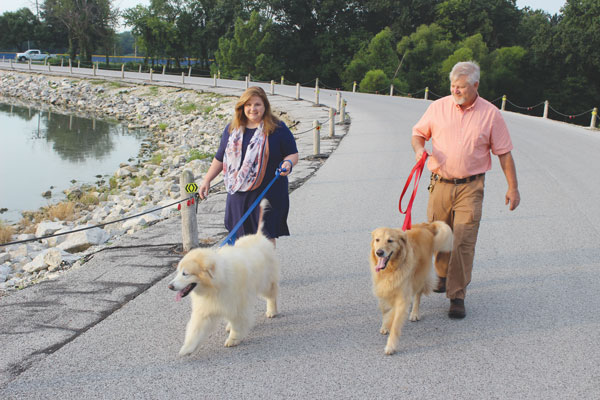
{"points": [[532, 328]]}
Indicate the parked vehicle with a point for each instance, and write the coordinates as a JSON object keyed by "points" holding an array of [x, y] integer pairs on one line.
{"points": [[33, 55]]}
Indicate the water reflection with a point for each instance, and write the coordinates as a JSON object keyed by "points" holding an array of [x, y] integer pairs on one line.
{"points": [[43, 148]]}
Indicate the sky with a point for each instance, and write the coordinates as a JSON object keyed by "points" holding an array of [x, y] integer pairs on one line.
{"points": [[551, 6]]}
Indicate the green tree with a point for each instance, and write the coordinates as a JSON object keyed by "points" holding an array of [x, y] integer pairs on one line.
{"points": [[504, 73], [18, 29], [375, 81], [471, 49]]}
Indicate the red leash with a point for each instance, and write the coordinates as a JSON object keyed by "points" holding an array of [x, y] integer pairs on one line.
{"points": [[416, 171]]}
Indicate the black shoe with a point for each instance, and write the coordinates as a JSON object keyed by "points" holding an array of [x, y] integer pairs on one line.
{"points": [[441, 286], [457, 309]]}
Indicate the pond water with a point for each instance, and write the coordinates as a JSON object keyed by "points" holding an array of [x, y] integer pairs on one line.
{"points": [[42, 150]]}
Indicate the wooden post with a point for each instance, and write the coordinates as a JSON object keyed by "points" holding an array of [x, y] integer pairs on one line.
{"points": [[282, 79], [546, 105], [343, 112], [30, 64], [594, 116], [190, 71], [247, 83], [272, 86], [218, 74], [354, 87], [78, 64], [151, 71], [427, 93], [215, 76], [338, 100], [48, 67], [189, 224], [164, 67], [317, 97], [11, 65], [122, 71], [297, 91], [182, 77], [70, 67], [331, 122], [503, 108], [93, 69], [140, 69], [391, 89], [316, 138], [61, 62]]}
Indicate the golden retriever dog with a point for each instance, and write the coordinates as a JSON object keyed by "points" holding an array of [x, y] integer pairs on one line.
{"points": [[401, 269], [224, 284]]}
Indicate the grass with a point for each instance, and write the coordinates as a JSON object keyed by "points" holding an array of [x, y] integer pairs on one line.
{"points": [[6, 232], [162, 126], [89, 199], [156, 159], [116, 84], [198, 155], [153, 91], [64, 211], [186, 108], [97, 81]]}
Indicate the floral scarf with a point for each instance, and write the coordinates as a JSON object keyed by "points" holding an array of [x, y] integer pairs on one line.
{"points": [[247, 174]]}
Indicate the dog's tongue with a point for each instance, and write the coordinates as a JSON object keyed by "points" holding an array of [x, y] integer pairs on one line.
{"points": [[380, 263], [178, 296]]}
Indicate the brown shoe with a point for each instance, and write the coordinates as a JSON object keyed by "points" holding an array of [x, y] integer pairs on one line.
{"points": [[457, 309], [441, 286]]}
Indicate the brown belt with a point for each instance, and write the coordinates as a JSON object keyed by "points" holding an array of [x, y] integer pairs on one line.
{"points": [[455, 181]]}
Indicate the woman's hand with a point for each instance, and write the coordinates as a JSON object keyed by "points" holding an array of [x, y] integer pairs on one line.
{"points": [[203, 189], [286, 167]]}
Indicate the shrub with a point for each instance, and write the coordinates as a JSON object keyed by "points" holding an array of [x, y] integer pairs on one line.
{"points": [[375, 81], [6, 232]]}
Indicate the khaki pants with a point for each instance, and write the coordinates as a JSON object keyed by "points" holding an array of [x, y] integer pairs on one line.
{"points": [[460, 207]]}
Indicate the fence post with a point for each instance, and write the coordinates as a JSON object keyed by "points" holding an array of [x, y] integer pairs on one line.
{"points": [[391, 89], [190, 71], [354, 87], [343, 112], [70, 67], [29, 64], [140, 69], [247, 83], [282, 79], [297, 91], [317, 97], [164, 67], [93, 69], [503, 108], [78, 64], [151, 72], [594, 116], [272, 86], [331, 122], [189, 224], [182, 77], [218, 74], [316, 137], [122, 71], [215, 79], [11, 66], [338, 99], [546, 104], [48, 67], [61, 62], [427, 93]]}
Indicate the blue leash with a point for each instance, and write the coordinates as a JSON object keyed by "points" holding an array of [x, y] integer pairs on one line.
{"points": [[230, 239]]}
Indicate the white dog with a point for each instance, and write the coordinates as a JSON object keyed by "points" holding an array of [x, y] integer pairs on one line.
{"points": [[225, 283]]}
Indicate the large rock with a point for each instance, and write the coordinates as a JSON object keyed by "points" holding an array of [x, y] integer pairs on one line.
{"points": [[48, 228], [80, 241], [140, 221]]}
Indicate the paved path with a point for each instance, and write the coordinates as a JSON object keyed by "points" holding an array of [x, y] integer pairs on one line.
{"points": [[532, 329]]}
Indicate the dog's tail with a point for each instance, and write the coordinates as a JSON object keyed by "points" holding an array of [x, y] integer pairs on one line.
{"points": [[442, 241], [265, 205]]}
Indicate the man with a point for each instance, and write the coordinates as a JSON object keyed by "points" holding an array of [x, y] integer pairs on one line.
{"points": [[464, 128]]}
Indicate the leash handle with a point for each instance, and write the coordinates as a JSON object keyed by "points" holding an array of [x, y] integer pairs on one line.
{"points": [[230, 239], [416, 171]]}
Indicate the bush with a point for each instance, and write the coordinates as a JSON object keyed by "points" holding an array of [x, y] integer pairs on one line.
{"points": [[375, 81], [6, 232]]}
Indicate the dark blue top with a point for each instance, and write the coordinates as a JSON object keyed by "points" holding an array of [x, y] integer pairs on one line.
{"points": [[281, 145]]}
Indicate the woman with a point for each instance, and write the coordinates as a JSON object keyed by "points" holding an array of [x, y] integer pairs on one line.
{"points": [[252, 147]]}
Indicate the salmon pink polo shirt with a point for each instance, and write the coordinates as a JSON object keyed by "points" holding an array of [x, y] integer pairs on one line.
{"points": [[462, 139]]}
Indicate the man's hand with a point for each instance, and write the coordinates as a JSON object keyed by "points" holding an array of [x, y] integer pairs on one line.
{"points": [[512, 198], [419, 154]]}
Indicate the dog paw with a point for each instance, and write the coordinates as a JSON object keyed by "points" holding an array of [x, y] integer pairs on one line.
{"points": [[383, 330], [231, 342], [389, 350], [185, 350], [228, 327], [271, 314], [414, 317]]}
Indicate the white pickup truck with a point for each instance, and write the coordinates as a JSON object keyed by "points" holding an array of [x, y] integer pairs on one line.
{"points": [[33, 55]]}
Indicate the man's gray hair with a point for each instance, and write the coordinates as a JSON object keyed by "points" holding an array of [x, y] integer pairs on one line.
{"points": [[470, 69]]}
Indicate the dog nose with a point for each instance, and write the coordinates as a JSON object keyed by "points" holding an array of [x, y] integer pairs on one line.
{"points": [[171, 286], [379, 253]]}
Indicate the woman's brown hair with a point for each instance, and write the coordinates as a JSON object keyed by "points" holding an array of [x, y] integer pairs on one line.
{"points": [[270, 122]]}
